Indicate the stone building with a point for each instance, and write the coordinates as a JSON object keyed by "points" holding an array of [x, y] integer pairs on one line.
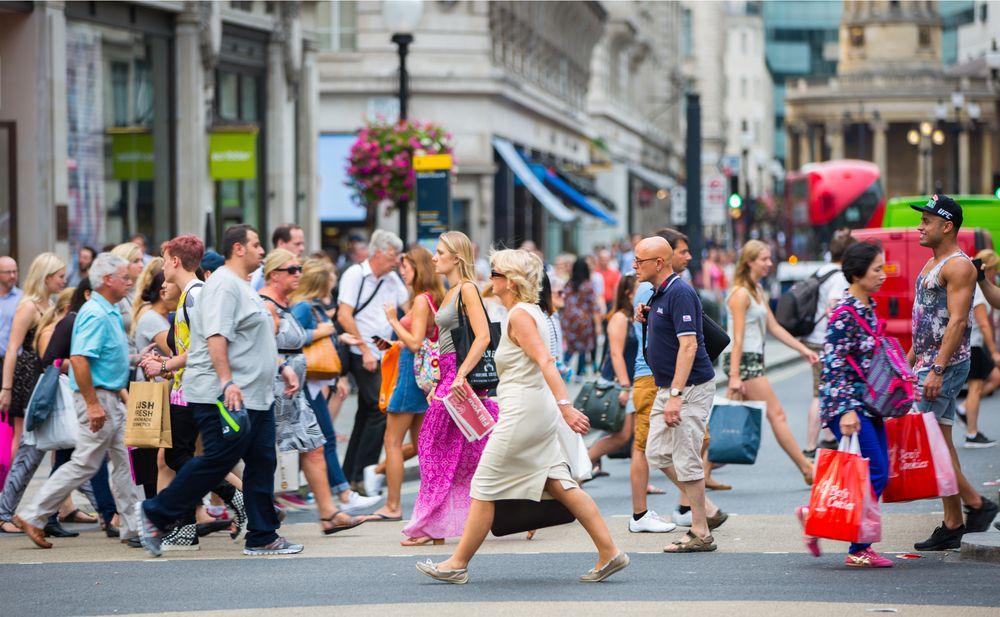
{"points": [[584, 90], [164, 117], [894, 103]]}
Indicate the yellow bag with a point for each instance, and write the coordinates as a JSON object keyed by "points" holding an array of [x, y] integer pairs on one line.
{"points": [[390, 373], [322, 359], [147, 423]]}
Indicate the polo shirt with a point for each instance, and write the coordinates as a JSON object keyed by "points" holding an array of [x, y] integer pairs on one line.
{"points": [[8, 306], [356, 286], [675, 311], [99, 335]]}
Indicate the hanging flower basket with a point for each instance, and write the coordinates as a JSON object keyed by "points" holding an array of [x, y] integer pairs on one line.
{"points": [[380, 164]]}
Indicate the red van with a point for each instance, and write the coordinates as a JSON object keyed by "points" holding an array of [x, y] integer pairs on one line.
{"points": [[904, 258]]}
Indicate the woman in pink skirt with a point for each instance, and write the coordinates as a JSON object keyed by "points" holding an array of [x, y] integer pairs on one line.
{"points": [[447, 460]]}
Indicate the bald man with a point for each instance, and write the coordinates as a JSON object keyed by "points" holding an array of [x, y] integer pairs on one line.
{"points": [[685, 386], [10, 295]]}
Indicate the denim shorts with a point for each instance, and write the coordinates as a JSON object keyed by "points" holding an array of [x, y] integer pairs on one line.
{"points": [[946, 403], [407, 397]]}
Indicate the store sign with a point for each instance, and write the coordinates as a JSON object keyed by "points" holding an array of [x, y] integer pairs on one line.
{"points": [[232, 155], [678, 205], [132, 156]]}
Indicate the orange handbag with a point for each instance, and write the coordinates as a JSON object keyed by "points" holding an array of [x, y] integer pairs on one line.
{"points": [[322, 359], [390, 373]]}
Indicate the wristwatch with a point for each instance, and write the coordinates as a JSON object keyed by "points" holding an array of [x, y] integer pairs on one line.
{"points": [[676, 392], [938, 369]]}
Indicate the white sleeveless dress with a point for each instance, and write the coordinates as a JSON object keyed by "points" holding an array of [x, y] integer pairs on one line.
{"points": [[523, 451]]}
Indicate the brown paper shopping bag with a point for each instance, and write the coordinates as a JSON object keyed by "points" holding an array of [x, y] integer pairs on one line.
{"points": [[147, 424]]}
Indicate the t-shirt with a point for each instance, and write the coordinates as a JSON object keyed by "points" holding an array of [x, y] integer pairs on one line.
{"points": [[976, 335], [149, 325], [642, 296], [611, 278], [830, 293], [227, 306], [356, 287], [675, 311]]}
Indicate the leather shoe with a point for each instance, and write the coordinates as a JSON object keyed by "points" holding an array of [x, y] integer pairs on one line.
{"points": [[36, 534], [56, 530], [112, 532]]}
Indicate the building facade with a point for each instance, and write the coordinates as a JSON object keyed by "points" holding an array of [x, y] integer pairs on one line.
{"points": [[152, 118]]}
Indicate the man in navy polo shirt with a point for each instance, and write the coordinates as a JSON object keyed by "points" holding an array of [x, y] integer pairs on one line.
{"points": [[685, 381]]}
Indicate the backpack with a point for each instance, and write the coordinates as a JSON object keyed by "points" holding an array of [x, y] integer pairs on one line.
{"points": [[426, 370], [796, 310], [889, 382]]}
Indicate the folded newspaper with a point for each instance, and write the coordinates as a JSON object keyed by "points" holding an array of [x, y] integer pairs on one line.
{"points": [[469, 414]]}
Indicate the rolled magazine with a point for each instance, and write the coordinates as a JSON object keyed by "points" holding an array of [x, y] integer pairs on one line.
{"points": [[469, 414]]}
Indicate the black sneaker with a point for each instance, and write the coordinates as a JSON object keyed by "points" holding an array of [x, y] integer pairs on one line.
{"points": [[149, 534], [979, 519], [960, 412], [239, 515], [280, 546], [133, 542], [979, 441], [181, 538], [206, 528], [942, 539]]}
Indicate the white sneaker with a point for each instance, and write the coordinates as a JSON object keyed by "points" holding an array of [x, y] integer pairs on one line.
{"points": [[374, 482], [684, 520], [356, 504], [650, 523]]}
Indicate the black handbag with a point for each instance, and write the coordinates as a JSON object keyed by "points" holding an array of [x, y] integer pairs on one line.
{"points": [[599, 402], [520, 515], [716, 338], [484, 375]]}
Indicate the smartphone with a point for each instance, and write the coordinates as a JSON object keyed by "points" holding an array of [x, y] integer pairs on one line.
{"points": [[980, 273]]}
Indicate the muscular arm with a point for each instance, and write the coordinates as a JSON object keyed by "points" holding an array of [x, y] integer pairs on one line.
{"points": [[959, 277]]}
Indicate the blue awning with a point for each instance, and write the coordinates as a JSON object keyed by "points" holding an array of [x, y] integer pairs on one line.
{"points": [[533, 183], [564, 188]]}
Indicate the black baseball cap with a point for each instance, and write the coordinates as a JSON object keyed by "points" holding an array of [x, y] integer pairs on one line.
{"points": [[944, 207]]}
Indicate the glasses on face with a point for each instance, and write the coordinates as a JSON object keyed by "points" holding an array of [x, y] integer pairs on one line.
{"points": [[291, 269], [638, 262], [8, 271], [497, 275]]}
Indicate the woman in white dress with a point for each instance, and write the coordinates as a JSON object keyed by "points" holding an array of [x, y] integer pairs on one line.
{"points": [[523, 458]]}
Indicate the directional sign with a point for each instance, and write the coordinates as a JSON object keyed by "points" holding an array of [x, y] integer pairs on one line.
{"points": [[678, 206], [713, 199]]}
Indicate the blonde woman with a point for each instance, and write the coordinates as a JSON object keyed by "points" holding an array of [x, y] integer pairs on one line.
{"points": [[447, 459], [46, 277], [750, 318], [523, 459]]}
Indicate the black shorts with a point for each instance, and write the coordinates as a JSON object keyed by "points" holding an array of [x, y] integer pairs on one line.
{"points": [[981, 364]]}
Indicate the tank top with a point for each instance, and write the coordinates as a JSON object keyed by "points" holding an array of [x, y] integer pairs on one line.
{"points": [[754, 327], [447, 320], [431, 331], [516, 369], [930, 318], [631, 349]]}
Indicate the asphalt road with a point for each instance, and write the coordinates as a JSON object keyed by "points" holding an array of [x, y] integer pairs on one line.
{"points": [[760, 568]]}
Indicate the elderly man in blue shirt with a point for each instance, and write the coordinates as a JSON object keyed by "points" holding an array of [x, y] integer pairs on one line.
{"points": [[99, 375]]}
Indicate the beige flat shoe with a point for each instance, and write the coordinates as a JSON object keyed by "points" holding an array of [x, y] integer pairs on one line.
{"points": [[455, 577], [620, 562]]}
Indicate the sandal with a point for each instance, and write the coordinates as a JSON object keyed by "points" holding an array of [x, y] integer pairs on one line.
{"points": [[718, 486], [655, 490], [383, 518], [15, 530], [329, 531], [78, 516], [692, 544], [422, 541]]}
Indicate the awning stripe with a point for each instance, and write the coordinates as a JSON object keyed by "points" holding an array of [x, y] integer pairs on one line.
{"points": [[551, 203], [563, 187]]}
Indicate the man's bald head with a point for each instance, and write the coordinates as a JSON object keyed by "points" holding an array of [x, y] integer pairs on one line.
{"points": [[8, 273], [653, 257], [654, 246]]}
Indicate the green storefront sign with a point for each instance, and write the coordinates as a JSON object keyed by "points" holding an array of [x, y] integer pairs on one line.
{"points": [[132, 156], [232, 155]]}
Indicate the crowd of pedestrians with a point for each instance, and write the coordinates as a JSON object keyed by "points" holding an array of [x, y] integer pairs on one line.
{"points": [[256, 351]]}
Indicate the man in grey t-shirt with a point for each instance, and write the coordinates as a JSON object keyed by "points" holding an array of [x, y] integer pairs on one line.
{"points": [[233, 358]]}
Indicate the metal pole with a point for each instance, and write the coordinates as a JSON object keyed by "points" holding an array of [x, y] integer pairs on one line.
{"points": [[402, 42], [692, 170]]}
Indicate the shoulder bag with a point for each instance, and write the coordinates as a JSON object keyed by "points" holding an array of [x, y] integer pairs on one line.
{"points": [[322, 359], [484, 375]]}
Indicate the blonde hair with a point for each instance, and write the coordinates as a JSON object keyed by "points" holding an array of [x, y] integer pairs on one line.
{"points": [[127, 251], [459, 245], [154, 267], [59, 307], [276, 259], [43, 266], [314, 282], [989, 257], [741, 278], [523, 271]]}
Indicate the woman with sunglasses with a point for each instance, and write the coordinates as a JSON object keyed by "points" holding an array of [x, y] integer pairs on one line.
{"points": [[447, 459], [296, 427]]}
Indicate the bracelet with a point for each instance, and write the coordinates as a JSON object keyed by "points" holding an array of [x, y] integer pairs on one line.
{"points": [[3, 389], [163, 366], [564, 403]]}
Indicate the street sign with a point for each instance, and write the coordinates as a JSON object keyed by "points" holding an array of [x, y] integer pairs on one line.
{"points": [[433, 197], [713, 201], [678, 206], [730, 164]]}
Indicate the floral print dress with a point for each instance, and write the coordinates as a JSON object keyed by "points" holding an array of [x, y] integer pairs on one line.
{"points": [[842, 388], [577, 317]]}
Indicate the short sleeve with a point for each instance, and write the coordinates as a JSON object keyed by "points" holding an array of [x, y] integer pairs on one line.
{"points": [[979, 298], [88, 336], [150, 324], [218, 317], [685, 312], [350, 285]]}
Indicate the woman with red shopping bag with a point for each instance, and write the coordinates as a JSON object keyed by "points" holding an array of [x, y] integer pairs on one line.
{"points": [[849, 347]]}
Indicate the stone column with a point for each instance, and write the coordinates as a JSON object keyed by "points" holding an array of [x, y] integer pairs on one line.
{"points": [[987, 133], [835, 140], [963, 160], [307, 136], [880, 152], [816, 151], [280, 145], [194, 187], [804, 154]]}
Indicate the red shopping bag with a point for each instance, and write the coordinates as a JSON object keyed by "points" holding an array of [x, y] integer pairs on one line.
{"points": [[919, 463], [839, 492]]}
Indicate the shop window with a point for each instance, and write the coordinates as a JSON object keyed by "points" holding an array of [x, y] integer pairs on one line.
{"points": [[238, 137]]}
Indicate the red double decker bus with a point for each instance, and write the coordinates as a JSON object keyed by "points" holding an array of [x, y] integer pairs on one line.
{"points": [[824, 197]]}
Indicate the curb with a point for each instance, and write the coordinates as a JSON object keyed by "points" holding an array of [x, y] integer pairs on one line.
{"points": [[983, 547]]}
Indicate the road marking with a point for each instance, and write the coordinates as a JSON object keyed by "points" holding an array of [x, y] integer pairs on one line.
{"points": [[775, 552], [30, 563]]}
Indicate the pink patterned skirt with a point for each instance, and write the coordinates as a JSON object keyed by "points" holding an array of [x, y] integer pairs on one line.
{"points": [[447, 464]]}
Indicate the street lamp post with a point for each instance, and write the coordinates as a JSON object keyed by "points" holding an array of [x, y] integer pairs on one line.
{"points": [[926, 138], [401, 17]]}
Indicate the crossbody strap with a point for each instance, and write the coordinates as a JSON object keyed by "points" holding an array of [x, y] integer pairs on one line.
{"points": [[360, 307]]}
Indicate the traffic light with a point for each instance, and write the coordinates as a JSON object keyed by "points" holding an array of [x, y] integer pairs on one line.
{"points": [[735, 201]]}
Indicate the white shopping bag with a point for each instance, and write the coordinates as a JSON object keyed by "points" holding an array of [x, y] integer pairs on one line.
{"points": [[286, 472], [60, 430], [575, 451]]}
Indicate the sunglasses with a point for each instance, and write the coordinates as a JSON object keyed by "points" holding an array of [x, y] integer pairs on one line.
{"points": [[291, 269], [497, 275]]}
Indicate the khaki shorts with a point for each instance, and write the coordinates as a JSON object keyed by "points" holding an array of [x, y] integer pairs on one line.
{"points": [[680, 446], [816, 368], [643, 394]]}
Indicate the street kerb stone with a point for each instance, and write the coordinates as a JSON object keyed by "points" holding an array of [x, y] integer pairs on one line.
{"points": [[983, 546]]}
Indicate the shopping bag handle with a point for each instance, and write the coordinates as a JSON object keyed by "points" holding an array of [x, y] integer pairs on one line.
{"points": [[850, 444]]}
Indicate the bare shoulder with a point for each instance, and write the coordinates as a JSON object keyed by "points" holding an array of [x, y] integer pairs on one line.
{"points": [[959, 271]]}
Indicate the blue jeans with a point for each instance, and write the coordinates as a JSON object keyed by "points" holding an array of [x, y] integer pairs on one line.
{"points": [[203, 473], [338, 481], [945, 405], [875, 448]]}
